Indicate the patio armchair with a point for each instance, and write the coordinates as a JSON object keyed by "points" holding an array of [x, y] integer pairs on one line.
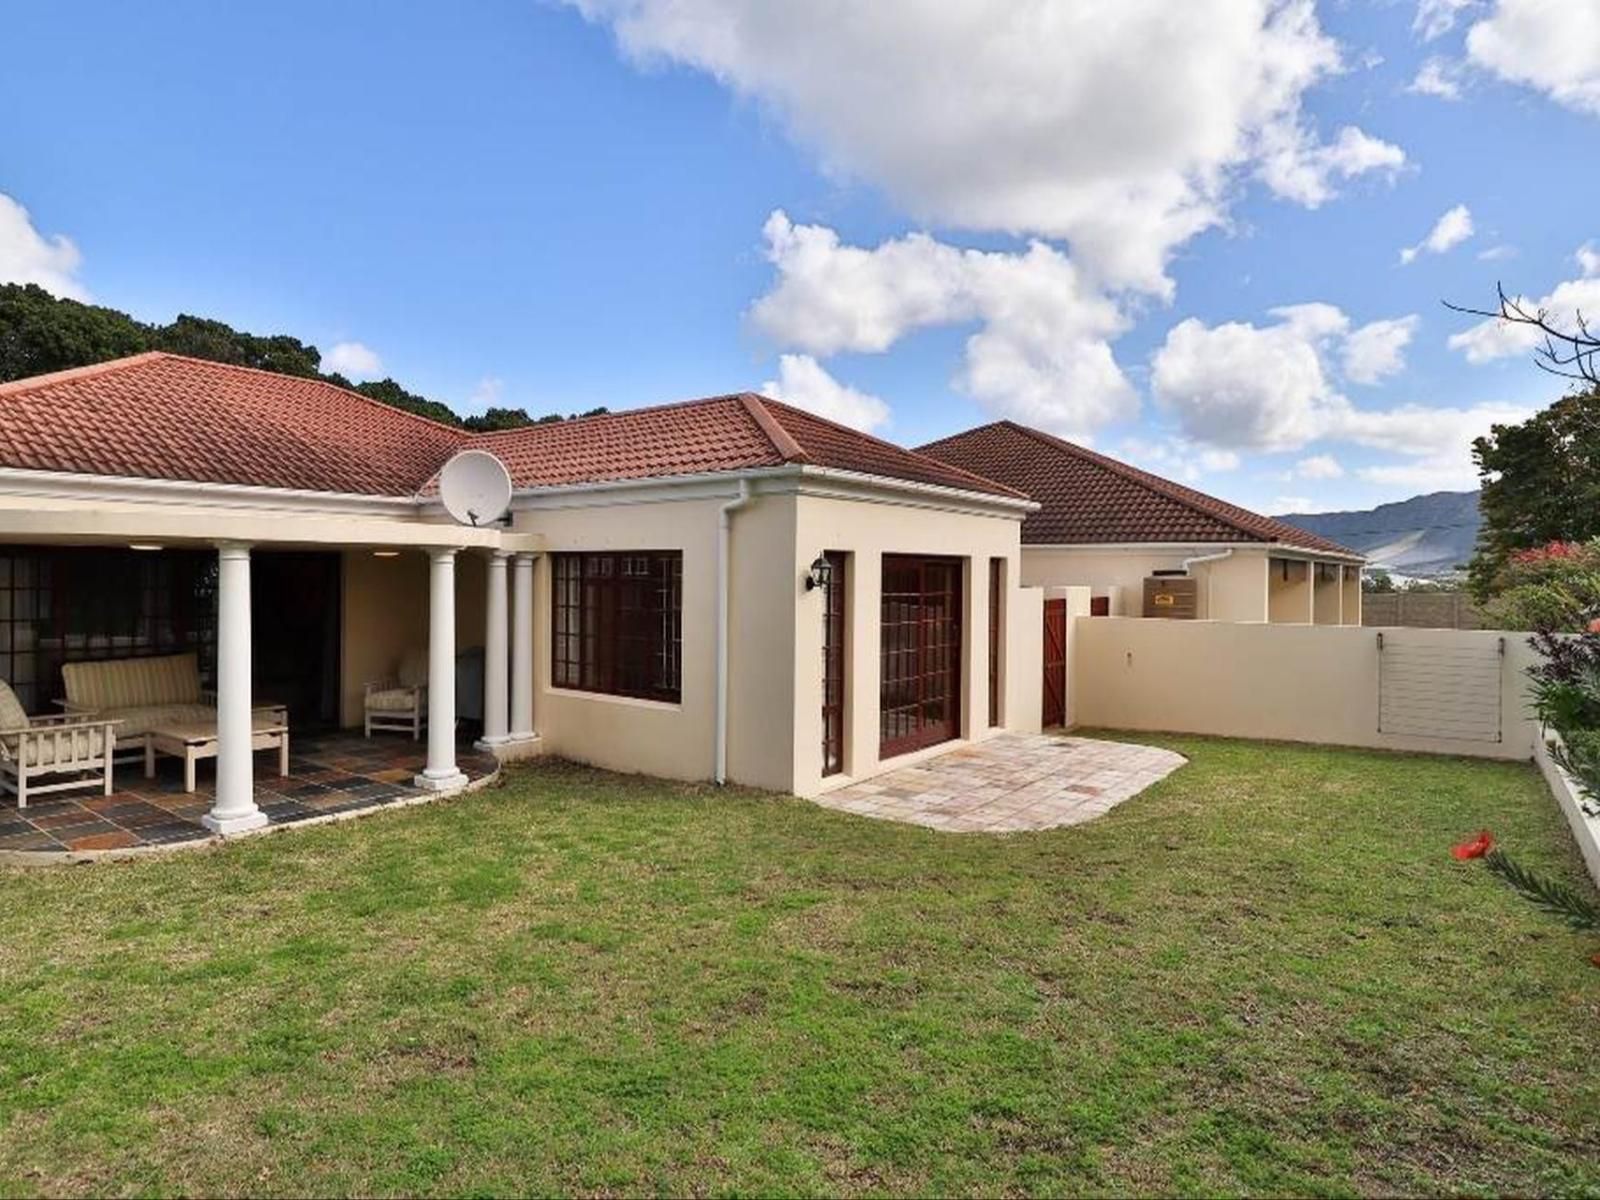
{"points": [[75, 751], [399, 702]]}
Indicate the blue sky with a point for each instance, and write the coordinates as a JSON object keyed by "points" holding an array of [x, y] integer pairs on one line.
{"points": [[559, 206]]}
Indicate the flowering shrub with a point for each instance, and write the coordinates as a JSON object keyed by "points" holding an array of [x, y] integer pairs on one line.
{"points": [[1555, 586]]}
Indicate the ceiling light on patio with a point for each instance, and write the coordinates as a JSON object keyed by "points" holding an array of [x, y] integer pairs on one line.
{"points": [[385, 553], [144, 545]]}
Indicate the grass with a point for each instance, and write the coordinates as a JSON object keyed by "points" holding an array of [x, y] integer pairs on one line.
{"points": [[1263, 975]]}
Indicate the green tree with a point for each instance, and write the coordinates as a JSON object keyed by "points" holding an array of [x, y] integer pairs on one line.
{"points": [[39, 333], [1377, 580], [1540, 484]]}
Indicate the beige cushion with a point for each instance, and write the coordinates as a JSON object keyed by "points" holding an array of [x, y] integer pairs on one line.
{"points": [[80, 745], [12, 715], [413, 670], [133, 682], [136, 722], [400, 699]]}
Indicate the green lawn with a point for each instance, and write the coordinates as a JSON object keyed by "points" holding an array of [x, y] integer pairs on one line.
{"points": [[1263, 975]]}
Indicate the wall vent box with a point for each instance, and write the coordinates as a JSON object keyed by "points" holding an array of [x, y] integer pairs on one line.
{"points": [[1171, 597]]}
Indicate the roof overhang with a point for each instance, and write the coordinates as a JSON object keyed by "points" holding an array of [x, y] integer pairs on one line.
{"points": [[1272, 549]]}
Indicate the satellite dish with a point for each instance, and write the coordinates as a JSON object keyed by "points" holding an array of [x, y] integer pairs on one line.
{"points": [[475, 487]]}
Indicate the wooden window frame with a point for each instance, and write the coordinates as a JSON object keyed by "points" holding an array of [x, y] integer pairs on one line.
{"points": [[616, 623], [835, 632], [997, 598]]}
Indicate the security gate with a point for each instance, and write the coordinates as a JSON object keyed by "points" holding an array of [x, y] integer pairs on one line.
{"points": [[919, 701], [1433, 689]]}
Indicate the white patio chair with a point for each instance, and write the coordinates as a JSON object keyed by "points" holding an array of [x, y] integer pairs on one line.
{"points": [[400, 702], [76, 749]]}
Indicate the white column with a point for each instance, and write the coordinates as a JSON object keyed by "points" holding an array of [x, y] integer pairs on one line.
{"points": [[495, 715], [522, 648], [441, 772], [235, 808]]}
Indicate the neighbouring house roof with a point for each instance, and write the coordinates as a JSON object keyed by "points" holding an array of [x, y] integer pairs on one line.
{"points": [[166, 416], [1088, 498]]}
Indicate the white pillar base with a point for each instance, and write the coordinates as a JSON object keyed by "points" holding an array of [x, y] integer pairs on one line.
{"points": [[489, 743], [228, 826], [440, 783]]}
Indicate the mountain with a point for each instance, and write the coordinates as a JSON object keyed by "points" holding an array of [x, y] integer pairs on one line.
{"points": [[1422, 536]]}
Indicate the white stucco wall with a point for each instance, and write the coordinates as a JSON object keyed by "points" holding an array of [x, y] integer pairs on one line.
{"points": [[1230, 589]]}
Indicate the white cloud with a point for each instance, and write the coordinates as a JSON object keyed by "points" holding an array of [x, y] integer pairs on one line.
{"points": [[1122, 128], [1493, 338], [1497, 253], [1238, 386], [1292, 504], [804, 383], [28, 256], [1435, 18], [1041, 352], [1377, 350], [1449, 231], [1550, 45], [1175, 458], [1441, 77], [1319, 466], [486, 395], [353, 360]]}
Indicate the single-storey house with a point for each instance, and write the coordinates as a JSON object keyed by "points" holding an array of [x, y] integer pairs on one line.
{"points": [[1128, 535], [727, 588]]}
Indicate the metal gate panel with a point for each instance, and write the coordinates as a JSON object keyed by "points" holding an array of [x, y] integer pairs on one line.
{"points": [[1431, 690]]}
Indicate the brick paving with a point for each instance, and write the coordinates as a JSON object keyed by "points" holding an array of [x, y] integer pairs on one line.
{"points": [[327, 774], [1010, 784]]}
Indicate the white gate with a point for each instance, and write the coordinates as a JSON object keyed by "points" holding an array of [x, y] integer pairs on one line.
{"points": [[1435, 690]]}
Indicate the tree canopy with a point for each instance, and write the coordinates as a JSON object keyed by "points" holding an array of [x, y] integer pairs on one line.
{"points": [[1540, 484], [40, 333]]}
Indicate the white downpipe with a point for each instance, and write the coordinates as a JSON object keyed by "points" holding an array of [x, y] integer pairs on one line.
{"points": [[1189, 563], [724, 530]]}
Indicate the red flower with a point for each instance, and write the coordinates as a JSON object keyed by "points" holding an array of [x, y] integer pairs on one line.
{"points": [[1476, 848], [1595, 959], [1594, 625]]}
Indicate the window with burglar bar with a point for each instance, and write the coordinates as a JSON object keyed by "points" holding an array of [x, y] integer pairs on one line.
{"points": [[617, 623]]}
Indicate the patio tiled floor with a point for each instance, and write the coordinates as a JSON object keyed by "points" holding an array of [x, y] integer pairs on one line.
{"points": [[1009, 784], [327, 774]]}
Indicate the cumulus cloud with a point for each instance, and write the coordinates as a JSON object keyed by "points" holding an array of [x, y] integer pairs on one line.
{"points": [[1377, 350], [803, 382], [1493, 338], [1435, 18], [1122, 128], [1273, 388], [354, 360], [28, 256], [1550, 45], [1175, 458], [1441, 77], [1449, 231], [1319, 466], [1041, 352]]}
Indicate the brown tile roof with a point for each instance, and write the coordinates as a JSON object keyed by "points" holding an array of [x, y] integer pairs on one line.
{"points": [[165, 416], [721, 433], [1086, 497]]}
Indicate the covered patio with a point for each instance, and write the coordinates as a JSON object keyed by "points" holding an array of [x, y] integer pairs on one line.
{"points": [[242, 790], [329, 775]]}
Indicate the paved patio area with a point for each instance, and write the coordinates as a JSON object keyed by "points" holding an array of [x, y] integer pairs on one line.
{"points": [[1010, 784], [329, 774]]}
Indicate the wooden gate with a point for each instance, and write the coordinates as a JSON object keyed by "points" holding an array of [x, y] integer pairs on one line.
{"points": [[1055, 663]]}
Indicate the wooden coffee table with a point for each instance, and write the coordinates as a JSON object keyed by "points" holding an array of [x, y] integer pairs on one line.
{"points": [[194, 740]]}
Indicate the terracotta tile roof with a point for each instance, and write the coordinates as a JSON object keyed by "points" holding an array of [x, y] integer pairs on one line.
{"points": [[721, 433], [164, 416], [1086, 497]]}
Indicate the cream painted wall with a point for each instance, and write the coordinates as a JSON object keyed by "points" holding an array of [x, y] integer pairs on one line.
{"points": [[1300, 683], [1326, 594], [867, 531], [1288, 599], [1231, 589], [1351, 612]]}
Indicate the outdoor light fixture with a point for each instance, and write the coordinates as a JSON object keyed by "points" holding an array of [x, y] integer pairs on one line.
{"points": [[144, 545], [385, 553], [820, 572]]}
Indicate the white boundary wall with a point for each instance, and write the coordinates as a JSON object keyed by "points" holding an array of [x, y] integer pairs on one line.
{"points": [[1585, 829], [1298, 683]]}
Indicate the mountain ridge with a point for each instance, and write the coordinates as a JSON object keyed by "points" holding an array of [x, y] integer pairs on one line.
{"points": [[1431, 534]]}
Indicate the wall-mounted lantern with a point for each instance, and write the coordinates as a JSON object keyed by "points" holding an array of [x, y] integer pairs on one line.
{"points": [[820, 572]]}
